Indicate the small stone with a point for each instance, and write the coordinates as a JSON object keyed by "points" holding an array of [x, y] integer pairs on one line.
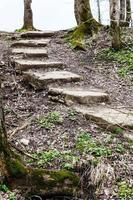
{"points": [[25, 141]]}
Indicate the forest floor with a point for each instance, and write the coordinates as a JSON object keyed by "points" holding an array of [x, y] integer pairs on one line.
{"points": [[63, 142]]}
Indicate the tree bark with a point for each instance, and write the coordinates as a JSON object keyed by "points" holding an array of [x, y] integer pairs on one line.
{"points": [[99, 11], [87, 25], [122, 12], [128, 12], [115, 28], [28, 15], [82, 11]]}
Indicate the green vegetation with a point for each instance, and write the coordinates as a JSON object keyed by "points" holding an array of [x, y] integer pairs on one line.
{"points": [[125, 192], [118, 131], [5, 189], [50, 120], [85, 144], [72, 114], [124, 57], [66, 159]]}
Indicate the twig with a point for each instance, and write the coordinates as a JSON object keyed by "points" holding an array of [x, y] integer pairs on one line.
{"points": [[22, 152], [23, 126]]}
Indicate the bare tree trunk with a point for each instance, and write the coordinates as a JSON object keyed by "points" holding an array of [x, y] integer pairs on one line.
{"points": [[82, 11], [28, 15], [128, 12], [115, 28], [99, 11], [122, 12]]}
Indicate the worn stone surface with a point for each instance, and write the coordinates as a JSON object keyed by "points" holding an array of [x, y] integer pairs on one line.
{"points": [[30, 52], [81, 95], [31, 43], [39, 79], [107, 117], [23, 64], [35, 34]]}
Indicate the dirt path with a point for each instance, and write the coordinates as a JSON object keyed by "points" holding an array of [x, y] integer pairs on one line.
{"points": [[60, 134]]}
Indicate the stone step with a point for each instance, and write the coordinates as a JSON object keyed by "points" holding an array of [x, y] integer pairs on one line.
{"points": [[31, 43], [78, 94], [110, 118], [37, 34], [23, 64], [40, 79], [30, 52]]}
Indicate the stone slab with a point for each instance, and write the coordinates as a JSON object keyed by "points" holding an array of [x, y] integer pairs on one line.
{"points": [[107, 117], [30, 52], [79, 94], [40, 79], [23, 64], [31, 43], [37, 34]]}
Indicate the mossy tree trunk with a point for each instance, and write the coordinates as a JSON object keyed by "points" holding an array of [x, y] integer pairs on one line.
{"points": [[38, 181], [115, 28], [87, 25], [28, 15]]}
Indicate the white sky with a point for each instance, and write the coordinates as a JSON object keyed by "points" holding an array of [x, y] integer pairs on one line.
{"points": [[48, 14]]}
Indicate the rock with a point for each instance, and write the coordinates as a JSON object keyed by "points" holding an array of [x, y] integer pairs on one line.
{"points": [[40, 79], [25, 141], [107, 117], [23, 64], [37, 34], [31, 52], [79, 94], [31, 43]]}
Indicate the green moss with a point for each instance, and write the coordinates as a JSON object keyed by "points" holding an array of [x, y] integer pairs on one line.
{"points": [[16, 168], [88, 28], [50, 179], [21, 30], [60, 176]]}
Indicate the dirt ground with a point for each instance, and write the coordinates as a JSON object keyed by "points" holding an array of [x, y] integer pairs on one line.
{"points": [[24, 109]]}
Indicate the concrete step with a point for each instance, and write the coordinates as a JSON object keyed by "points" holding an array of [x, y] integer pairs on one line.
{"points": [[40, 79], [31, 52], [110, 118], [78, 94], [37, 34], [23, 64], [31, 43]]}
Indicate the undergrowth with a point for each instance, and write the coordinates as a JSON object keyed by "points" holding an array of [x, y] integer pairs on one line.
{"points": [[124, 57]]}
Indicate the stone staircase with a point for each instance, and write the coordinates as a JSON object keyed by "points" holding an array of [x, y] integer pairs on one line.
{"points": [[30, 57]]}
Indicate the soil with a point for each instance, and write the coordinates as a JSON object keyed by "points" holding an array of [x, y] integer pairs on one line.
{"points": [[23, 104]]}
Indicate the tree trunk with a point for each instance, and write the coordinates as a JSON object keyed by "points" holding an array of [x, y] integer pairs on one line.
{"points": [[82, 11], [28, 15], [122, 12], [87, 25], [128, 12], [4, 147], [115, 28], [99, 11]]}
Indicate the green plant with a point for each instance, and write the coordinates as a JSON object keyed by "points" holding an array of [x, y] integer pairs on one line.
{"points": [[118, 130], [47, 156], [72, 114], [124, 57], [11, 195], [120, 148], [125, 192], [50, 120], [86, 144]]}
